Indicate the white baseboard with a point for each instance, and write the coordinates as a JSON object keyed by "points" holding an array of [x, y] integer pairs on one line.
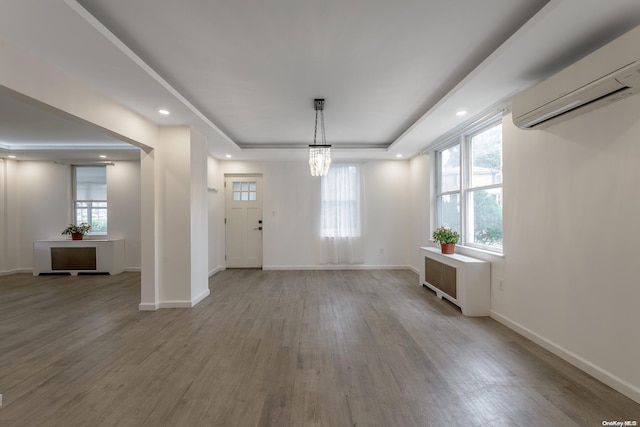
{"points": [[184, 303], [148, 306], [133, 269], [200, 297], [603, 375], [336, 267], [216, 270], [16, 271], [175, 304], [415, 270]]}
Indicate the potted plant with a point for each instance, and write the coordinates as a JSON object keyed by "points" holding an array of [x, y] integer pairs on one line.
{"points": [[77, 231], [447, 239]]}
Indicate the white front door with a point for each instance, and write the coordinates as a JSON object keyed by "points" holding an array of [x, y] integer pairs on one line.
{"points": [[243, 221]]}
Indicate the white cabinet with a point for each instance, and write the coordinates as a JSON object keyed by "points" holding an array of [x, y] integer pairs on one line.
{"points": [[78, 256], [463, 280]]}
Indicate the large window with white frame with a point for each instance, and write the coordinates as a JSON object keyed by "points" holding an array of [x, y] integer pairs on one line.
{"points": [[468, 185], [90, 197]]}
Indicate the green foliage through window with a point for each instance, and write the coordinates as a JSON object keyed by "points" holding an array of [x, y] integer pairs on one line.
{"points": [[469, 186]]}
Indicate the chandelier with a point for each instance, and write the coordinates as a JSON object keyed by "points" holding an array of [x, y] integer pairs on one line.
{"points": [[319, 154]]}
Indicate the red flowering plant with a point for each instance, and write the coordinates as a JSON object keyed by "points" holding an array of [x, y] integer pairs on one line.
{"points": [[83, 229], [445, 235]]}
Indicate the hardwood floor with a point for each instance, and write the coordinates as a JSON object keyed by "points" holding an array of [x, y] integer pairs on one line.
{"points": [[277, 348]]}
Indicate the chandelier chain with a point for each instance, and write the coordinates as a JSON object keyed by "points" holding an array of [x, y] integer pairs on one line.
{"points": [[319, 154], [324, 135], [315, 131]]}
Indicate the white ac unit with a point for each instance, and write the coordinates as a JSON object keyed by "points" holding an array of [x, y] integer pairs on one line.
{"points": [[600, 78]]}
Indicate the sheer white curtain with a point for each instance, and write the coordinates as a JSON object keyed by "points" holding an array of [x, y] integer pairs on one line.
{"points": [[341, 215]]}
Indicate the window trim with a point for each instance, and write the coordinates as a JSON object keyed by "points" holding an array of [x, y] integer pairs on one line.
{"points": [[463, 138]]}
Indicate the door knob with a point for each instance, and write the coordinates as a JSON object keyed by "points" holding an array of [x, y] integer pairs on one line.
{"points": [[259, 228]]}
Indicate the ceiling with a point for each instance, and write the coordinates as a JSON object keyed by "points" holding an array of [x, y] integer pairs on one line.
{"points": [[245, 72], [31, 131]]}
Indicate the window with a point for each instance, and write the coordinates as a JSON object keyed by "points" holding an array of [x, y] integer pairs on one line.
{"points": [[469, 186], [90, 197], [245, 191], [340, 200]]}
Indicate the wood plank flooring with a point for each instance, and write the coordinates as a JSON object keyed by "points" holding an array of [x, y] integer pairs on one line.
{"points": [[277, 348]]}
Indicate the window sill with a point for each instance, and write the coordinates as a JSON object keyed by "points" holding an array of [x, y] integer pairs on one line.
{"points": [[474, 252]]}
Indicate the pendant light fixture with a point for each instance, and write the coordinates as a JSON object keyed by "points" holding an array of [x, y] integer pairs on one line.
{"points": [[319, 154]]}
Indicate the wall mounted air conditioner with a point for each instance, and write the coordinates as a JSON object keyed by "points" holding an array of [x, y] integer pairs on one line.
{"points": [[602, 77]]}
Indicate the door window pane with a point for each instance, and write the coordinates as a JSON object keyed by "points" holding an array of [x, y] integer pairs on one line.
{"points": [[245, 191]]}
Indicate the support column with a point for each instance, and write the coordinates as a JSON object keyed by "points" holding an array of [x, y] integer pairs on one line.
{"points": [[175, 246], [199, 218], [149, 298]]}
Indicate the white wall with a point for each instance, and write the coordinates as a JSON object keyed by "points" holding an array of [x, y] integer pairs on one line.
{"points": [[291, 212], [420, 182], [198, 209], [173, 155], [179, 166], [9, 233], [123, 187], [32, 80], [216, 216], [571, 237], [39, 82], [387, 213], [571, 234], [36, 202], [44, 205], [3, 217]]}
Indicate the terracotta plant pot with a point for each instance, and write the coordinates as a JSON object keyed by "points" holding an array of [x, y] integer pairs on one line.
{"points": [[76, 236], [448, 248]]}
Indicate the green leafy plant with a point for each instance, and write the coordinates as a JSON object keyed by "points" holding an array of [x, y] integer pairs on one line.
{"points": [[445, 235], [77, 229]]}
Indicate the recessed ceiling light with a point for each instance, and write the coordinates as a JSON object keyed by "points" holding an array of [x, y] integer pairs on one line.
{"points": [[164, 112], [11, 156], [228, 156], [102, 156], [461, 113], [398, 155]]}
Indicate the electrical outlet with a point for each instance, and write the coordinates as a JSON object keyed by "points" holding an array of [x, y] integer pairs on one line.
{"points": [[381, 251], [501, 284]]}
